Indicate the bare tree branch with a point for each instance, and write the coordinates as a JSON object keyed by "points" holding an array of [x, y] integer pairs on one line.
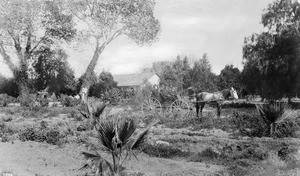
{"points": [[38, 43]]}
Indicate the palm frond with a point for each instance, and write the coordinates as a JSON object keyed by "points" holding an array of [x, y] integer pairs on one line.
{"points": [[93, 160], [96, 162], [288, 114], [106, 133], [95, 107], [127, 128], [141, 139], [271, 113], [84, 114], [99, 110]]}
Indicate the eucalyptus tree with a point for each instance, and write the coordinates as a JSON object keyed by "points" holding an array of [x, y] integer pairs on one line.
{"points": [[103, 21], [275, 53], [24, 27]]}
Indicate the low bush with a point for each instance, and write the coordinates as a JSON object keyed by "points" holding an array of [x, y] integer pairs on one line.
{"points": [[44, 102], [68, 101], [163, 151], [6, 99], [249, 124], [27, 100], [208, 155], [5, 132], [287, 129], [40, 133], [32, 134]]}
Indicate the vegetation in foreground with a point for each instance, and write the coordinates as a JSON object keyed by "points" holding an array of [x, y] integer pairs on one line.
{"points": [[58, 126]]}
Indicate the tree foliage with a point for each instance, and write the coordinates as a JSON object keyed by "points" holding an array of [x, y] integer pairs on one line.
{"points": [[274, 55], [182, 74], [8, 86], [104, 83], [52, 70], [230, 76], [25, 26], [104, 21], [202, 77]]}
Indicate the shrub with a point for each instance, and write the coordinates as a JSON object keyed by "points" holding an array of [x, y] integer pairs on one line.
{"points": [[32, 134], [5, 132], [68, 101], [162, 151], [27, 100], [40, 133], [52, 136], [249, 124], [6, 99], [44, 102]]}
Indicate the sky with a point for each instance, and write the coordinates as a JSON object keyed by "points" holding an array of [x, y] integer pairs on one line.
{"points": [[188, 27]]}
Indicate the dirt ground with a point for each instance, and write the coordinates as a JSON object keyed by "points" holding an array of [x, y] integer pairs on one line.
{"points": [[41, 159]]}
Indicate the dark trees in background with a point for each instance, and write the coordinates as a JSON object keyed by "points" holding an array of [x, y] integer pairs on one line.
{"points": [[104, 83], [272, 58], [230, 76], [51, 69], [9, 86]]}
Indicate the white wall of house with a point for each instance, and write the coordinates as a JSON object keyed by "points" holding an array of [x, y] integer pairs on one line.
{"points": [[154, 80]]}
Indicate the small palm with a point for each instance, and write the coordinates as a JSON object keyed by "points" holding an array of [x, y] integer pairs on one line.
{"points": [[275, 114], [115, 137]]}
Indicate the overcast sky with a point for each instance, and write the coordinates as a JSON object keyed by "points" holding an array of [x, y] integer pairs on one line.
{"points": [[189, 27]]}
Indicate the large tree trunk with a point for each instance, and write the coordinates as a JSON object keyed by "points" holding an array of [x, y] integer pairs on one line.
{"points": [[88, 75], [21, 76]]}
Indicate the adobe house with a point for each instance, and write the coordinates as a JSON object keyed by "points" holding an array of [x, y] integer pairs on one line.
{"points": [[136, 80]]}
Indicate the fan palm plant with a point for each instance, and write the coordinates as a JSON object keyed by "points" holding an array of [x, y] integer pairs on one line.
{"points": [[116, 139], [94, 108], [273, 114]]}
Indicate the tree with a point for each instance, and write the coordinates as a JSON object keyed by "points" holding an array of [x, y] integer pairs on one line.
{"points": [[230, 76], [24, 27], [104, 83], [251, 78], [52, 70], [176, 73], [8, 86], [106, 20], [202, 77], [275, 53], [158, 67]]}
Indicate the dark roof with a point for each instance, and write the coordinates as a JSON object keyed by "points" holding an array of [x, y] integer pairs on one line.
{"points": [[132, 79]]}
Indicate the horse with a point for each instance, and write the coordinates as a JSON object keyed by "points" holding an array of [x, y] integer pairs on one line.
{"points": [[217, 97]]}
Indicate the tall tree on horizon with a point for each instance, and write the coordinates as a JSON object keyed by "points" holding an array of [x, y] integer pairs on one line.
{"points": [[275, 53], [106, 20], [24, 27]]}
